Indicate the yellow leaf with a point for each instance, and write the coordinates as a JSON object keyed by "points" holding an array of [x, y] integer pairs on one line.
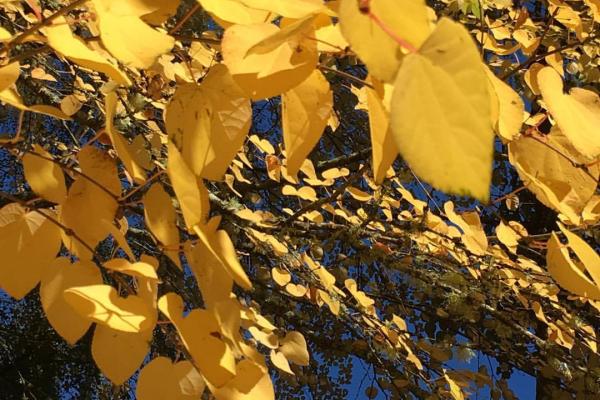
{"points": [[12, 97], [440, 113], [473, 234], [99, 169], [118, 236], [554, 180], [360, 296], [28, 243], [381, 53], [270, 74], [213, 279], [102, 304], [196, 330], [569, 18], [280, 276], [291, 31], [296, 290], [70, 105], [594, 6], [140, 8], [288, 8], [124, 150], [228, 12], [129, 39], [358, 194], [160, 379], [577, 113], [119, 354], [587, 255], [330, 39], [9, 75], [209, 122], [305, 111], [508, 236], [455, 390], [510, 108], [293, 347], [89, 201], [220, 245], [267, 339], [62, 40], [382, 141], [44, 176], [59, 276], [252, 382], [278, 359], [147, 288], [161, 219], [191, 192], [566, 273], [138, 269]]}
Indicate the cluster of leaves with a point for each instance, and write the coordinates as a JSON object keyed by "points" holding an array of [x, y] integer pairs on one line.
{"points": [[233, 188]]}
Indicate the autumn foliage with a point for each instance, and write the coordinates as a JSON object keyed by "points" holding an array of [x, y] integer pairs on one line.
{"points": [[239, 183]]}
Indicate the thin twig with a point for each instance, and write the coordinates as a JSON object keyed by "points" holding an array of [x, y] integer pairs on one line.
{"points": [[183, 20], [345, 75], [27, 32]]}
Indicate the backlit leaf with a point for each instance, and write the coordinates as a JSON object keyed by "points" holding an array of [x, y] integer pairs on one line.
{"points": [[119, 354], [44, 176], [566, 273], [129, 39], [268, 74], [161, 218], [377, 48], [305, 111], [577, 113], [210, 354], [59, 276], [162, 379], [125, 150], [137, 269], [190, 191], [28, 244], [102, 304], [209, 122], [293, 346], [450, 149], [62, 40]]}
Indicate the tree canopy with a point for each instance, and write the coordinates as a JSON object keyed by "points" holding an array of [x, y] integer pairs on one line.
{"points": [[246, 199]]}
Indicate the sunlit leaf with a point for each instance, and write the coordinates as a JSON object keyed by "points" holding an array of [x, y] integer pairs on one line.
{"points": [[510, 108], [28, 244], [162, 379], [137, 269], [450, 149], [568, 275], [305, 111], [161, 219], [380, 51], [119, 354], [62, 40], [210, 354], [190, 191], [268, 74], [129, 39], [102, 304], [209, 122], [577, 113], [293, 346], [44, 175], [125, 150], [59, 276]]}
